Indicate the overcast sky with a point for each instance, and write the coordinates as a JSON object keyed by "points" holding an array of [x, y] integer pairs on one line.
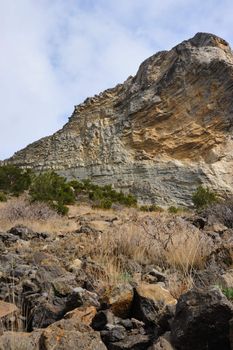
{"points": [[55, 53]]}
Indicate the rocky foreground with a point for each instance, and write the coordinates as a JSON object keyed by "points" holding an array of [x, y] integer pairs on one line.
{"points": [[115, 282], [159, 134]]}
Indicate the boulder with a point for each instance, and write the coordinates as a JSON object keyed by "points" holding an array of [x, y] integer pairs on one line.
{"points": [[202, 321], [113, 334], [84, 314], [119, 299], [162, 343], [102, 318], [132, 342], [151, 303], [70, 334]]}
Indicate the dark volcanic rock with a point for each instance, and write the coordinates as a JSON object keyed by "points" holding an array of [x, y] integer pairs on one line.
{"points": [[202, 321]]}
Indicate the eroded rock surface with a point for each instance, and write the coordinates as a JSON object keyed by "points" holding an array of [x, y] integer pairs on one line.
{"points": [[160, 133]]}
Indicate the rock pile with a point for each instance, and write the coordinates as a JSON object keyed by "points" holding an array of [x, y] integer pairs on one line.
{"points": [[48, 303]]}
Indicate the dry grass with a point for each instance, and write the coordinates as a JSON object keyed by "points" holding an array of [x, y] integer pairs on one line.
{"points": [[163, 240], [37, 216], [132, 242]]}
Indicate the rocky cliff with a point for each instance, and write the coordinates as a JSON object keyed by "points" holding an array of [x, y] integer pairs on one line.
{"points": [[160, 134]]}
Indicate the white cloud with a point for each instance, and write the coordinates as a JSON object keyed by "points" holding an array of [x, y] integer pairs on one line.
{"points": [[56, 53]]}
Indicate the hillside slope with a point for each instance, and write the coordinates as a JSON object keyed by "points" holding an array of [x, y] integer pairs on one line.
{"points": [[160, 133]]}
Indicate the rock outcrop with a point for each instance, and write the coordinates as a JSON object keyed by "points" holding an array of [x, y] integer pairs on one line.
{"points": [[160, 134]]}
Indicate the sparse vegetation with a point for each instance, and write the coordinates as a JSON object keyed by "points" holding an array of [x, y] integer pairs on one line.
{"points": [[14, 180], [204, 197], [151, 208], [52, 189], [173, 210], [102, 196], [228, 292], [3, 197]]}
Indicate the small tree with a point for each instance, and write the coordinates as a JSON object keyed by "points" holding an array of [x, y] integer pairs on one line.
{"points": [[52, 189], [203, 197], [14, 180]]}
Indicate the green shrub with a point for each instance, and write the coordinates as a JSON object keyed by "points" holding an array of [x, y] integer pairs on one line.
{"points": [[52, 189], [228, 292], [203, 197], [173, 210], [14, 180], [151, 208], [3, 197], [102, 195], [103, 204], [77, 186]]}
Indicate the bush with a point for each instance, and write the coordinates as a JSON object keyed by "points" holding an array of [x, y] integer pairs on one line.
{"points": [[102, 196], [53, 190], [103, 204], [3, 197], [228, 292], [151, 208], [14, 180], [173, 210], [21, 208], [203, 197]]}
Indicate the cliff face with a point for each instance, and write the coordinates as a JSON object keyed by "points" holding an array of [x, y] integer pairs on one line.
{"points": [[159, 134]]}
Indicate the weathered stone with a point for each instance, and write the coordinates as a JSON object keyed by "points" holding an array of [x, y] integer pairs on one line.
{"points": [[150, 303], [162, 343], [103, 318], [114, 334], [84, 314], [202, 321], [119, 298], [20, 341], [132, 342], [75, 265], [70, 334], [159, 134]]}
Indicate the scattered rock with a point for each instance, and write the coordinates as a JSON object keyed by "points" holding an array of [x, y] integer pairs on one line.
{"points": [[202, 321], [85, 315], [132, 342], [150, 302], [119, 299], [75, 265], [71, 334], [102, 318], [162, 343]]}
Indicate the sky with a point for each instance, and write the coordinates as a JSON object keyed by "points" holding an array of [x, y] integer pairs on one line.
{"points": [[55, 53]]}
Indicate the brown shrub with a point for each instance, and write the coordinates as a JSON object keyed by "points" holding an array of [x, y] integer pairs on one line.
{"points": [[21, 208], [165, 240]]}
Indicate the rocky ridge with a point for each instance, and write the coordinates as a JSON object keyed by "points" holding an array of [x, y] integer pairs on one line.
{"points": [[160, 134]]}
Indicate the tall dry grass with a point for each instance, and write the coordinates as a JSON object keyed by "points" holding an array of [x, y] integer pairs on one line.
{"points": [[164, 240], [37, 216]]}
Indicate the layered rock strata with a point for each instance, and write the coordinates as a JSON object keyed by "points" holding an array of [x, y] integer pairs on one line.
{"points": [[159, 134]]}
